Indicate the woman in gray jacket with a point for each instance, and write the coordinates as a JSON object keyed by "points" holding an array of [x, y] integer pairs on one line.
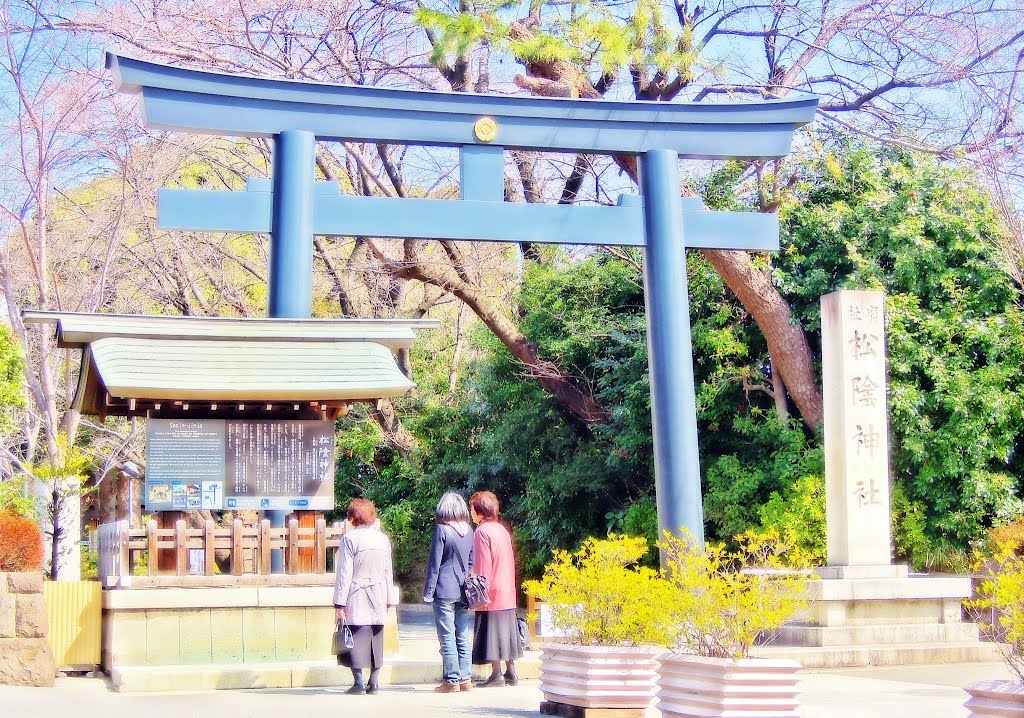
{"points": [[451, 559], [361, 591]]}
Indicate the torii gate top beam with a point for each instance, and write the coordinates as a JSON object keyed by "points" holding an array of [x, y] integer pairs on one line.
{"points": [[200, 101]]}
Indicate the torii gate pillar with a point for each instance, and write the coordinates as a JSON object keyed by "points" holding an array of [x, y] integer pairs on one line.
{"points": [[290, 290], [670, 352], [290, 293]]}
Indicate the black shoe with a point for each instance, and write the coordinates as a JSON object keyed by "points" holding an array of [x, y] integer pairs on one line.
{"points": [[372, 689], [356, 690], [511, 679], [494, 681]]}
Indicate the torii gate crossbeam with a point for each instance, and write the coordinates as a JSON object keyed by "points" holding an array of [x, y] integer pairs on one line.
{"points": [[293, 207]]}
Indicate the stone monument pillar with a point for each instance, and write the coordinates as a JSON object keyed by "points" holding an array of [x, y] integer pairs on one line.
{"points": [[865, 610], [856, 432]]}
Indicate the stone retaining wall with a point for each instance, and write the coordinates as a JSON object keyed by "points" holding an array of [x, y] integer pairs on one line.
{"points": [[160, 627], [25, 655]]}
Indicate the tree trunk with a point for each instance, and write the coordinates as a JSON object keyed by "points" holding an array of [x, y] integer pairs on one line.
{"points": [[56, 536], [107, 496], [398, 437], [779, 394], [453, 371], [787, 342]]}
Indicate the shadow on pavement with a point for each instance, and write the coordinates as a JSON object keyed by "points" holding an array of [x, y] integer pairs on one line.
{"points": [[339, 691]]}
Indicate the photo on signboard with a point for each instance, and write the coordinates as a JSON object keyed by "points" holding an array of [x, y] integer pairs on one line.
{"points": [[193, 496], [159, 493], [179, 495]]}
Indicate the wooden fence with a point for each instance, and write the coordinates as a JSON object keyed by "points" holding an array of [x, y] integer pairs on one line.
{"points": [[123, 550]]}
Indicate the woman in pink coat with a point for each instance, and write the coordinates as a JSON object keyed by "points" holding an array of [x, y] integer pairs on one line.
{"points": [[496, 632]]}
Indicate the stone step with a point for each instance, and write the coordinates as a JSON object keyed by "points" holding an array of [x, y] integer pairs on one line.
{"points": [[927, 588], [803, 635], [308, 674], [885, 654]]}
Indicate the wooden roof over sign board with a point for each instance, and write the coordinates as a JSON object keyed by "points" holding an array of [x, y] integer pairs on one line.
{"points": [[77, 329], [137, 365]]}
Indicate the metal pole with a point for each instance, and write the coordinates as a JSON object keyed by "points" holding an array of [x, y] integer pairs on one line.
{"points": [[670, 354], [290, 293]]}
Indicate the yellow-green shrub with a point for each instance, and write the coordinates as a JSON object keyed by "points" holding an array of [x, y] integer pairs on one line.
{"points": [[775, 549], [1001, 600], [601, 595], [1007, 538], [722, 601]]}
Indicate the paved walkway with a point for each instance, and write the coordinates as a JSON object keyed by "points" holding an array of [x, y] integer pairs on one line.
{"points": [[893, 692], [896, 692], [910, 692]]}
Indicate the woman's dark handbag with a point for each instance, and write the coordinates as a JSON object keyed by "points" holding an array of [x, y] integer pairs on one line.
{"points": [[475, 591], [343, 644]]}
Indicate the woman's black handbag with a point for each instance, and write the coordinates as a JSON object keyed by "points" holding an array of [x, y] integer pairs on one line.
{"points": [[343, 644], [475, 589]]}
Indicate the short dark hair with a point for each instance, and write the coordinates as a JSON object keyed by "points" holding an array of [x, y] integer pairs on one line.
{"points": [[485, 503], [361, 512]]}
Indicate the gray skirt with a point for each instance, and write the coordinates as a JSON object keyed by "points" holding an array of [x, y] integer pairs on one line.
{"points": [[368, 651], [496, 636]]}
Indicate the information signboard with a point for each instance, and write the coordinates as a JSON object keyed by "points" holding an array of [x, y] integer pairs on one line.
{"points": [[228, 464]]}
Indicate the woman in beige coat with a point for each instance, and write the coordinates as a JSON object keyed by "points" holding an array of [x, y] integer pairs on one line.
{"points": [[361, 591]]}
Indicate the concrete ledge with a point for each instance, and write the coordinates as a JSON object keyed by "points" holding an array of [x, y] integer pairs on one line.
{"points": [[312, 674], [280, 596], [176, 598], [208, 597], [220, 581], [794, 635], [885, 655], [326, 674], [893, 589], [896, 612], [888, 571], [200, 678]]}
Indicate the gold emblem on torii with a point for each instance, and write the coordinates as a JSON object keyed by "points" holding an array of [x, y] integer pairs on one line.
{"points": [[485, 129]]}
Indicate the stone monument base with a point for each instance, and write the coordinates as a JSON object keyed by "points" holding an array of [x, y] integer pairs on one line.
{"points": [[880, 615]]}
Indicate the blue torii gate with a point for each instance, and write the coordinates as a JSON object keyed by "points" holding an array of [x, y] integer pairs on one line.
{"points": [[293, 207]]}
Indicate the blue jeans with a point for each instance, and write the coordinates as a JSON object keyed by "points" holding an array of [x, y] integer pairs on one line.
{"points": [[452, 622]]}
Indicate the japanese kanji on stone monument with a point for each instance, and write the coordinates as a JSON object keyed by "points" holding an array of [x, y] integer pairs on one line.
{"points": [[856, 429]]}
